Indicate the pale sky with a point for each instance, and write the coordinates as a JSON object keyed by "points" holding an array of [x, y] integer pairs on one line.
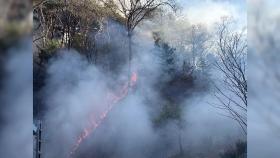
{"points": [[209, 12]]}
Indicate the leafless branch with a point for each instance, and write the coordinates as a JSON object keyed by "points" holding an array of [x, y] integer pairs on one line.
{"points": [[232, 92]]}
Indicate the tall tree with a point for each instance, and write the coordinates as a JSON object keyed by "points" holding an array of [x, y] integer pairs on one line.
{"points": [[232, 54], [197, 43], [135, 11]]}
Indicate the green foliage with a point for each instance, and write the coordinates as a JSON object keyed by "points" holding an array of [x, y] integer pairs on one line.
{"points": [[11, 31], [54, 4], [52, 45], [48, 50], [78, 41]]}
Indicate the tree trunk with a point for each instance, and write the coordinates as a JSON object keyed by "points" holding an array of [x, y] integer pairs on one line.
{"points": [[180, 144], [129, 54]]}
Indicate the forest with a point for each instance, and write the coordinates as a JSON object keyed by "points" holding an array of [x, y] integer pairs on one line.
{"points": [[139, 78]]}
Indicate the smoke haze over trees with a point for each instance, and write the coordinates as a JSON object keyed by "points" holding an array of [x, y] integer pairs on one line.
{"points": [[82, 52], [139, 78], [15, 79]]}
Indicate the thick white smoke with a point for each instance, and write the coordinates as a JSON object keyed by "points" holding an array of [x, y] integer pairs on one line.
{"points": [[263, 114], [16, 101], [76, 89]]}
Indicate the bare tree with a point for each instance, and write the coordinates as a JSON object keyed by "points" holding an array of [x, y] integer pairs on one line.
{"points": [[198, 42], [135, 11], [232, 92]]}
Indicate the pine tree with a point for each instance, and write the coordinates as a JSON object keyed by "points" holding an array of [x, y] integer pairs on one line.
{"points": [[168, 59]]}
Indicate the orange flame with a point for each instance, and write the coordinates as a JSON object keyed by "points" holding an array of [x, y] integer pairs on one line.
{"points": [[111, 100], [133, 79]]}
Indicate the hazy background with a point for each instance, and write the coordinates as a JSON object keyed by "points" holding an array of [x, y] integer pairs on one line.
{"points": [[16, 97], [75, 89], [71, 76], [263, 115]]}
